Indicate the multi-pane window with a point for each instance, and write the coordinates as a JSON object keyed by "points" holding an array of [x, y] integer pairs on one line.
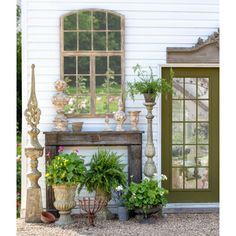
{"points": [[190, 133], [92, 55]]}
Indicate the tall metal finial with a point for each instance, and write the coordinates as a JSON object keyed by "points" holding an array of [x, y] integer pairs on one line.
{"points": [[32, 114]]}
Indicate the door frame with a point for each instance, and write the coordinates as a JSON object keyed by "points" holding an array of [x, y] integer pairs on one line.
{"points": [[165, 136]]}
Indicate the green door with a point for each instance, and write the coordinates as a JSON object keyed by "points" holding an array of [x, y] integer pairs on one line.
{"points": [[190, 135]]}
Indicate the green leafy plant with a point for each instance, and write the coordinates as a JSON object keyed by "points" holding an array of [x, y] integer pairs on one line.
{"points": [[106, 172], [145, 195], [65, 169], [18, 177], [148, 83]]}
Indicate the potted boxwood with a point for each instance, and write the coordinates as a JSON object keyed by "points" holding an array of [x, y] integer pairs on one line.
{"points": [[64, 173], [149, 84], [147, 197], [105, 173]]}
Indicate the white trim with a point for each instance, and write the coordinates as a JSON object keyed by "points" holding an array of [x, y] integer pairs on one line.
{"points": [[189, 65]]}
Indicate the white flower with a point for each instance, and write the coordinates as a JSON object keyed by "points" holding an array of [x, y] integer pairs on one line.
{"points": [[163, 177], [119, 188], [155, 174]]}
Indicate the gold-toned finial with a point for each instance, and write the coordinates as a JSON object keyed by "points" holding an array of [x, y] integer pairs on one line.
{"points": [[32, 114]]}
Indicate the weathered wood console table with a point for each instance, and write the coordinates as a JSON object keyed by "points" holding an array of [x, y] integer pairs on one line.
{"points": [[131, 139]]}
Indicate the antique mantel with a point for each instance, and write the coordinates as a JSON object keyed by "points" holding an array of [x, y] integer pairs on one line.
{"points": [[131, 139]]}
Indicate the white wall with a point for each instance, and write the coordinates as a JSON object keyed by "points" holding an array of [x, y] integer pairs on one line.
{"points": [[150, 27]]}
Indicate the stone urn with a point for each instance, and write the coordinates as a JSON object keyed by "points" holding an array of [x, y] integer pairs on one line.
{"points": [[64, 202], [120, 116], [134, 119]]}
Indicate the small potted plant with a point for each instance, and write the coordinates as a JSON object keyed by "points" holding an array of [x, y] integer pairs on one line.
{"points": [[146, 197], [149, 84], [105, 173], [122, 210], [64, 173]]}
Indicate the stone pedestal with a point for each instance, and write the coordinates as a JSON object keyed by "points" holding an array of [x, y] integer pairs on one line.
{"points": [[33, 205], [149, 167]]}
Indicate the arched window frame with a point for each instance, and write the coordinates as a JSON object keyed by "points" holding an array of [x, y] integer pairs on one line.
{"points": [[92, 54]]}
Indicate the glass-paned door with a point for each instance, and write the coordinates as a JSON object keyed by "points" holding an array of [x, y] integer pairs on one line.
{"points": [[190, 135]]}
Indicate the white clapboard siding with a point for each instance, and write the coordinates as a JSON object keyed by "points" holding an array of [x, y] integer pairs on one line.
{"points": [[150, 27]]}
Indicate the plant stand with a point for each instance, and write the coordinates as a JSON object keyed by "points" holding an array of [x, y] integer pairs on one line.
{"points": [[91, 207], [149, 167]]}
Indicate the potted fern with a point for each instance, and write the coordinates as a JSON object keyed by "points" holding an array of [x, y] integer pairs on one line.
{"points": [[149, 84], [105, 173]]}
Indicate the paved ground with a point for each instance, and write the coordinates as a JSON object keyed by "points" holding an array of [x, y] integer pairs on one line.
{"points": [[171, 225]]}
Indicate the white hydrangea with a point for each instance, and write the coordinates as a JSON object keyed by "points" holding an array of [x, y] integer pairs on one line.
{"points": [[163, 177]]}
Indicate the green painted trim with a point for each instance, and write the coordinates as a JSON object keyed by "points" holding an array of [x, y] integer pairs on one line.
{"points": [[211, 195]]}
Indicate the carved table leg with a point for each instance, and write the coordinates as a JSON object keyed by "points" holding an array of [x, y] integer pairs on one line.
{"points": [[135, 163]]}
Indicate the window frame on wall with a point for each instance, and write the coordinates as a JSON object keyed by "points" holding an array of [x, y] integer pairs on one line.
{"points": [[92, 54]]}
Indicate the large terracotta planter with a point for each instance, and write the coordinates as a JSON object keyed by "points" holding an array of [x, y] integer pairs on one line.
{"points": [[65, 201]]}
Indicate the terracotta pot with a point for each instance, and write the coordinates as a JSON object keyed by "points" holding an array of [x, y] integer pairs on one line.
{"points": [[47, 217], [149, 97], [65, 201], [77, 126]]}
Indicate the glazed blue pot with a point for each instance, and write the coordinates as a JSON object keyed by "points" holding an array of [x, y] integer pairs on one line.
{"points": [[123, 214]]}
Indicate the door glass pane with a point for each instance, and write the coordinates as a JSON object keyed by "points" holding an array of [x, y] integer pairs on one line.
{"points": [[202, 155], [99, 40], [190, 155], [177, 110], [70, 22], [70, 41], [83, 65], [113, 22], [190, 178], [83, 84], [85, 20], [177, 133], [177, 178], [177, 155], [84, 41], [190, 110], [202, 182], [178, 87], [203, 110], [202, 133], [203, 90], [190, 88], [190, 133]]}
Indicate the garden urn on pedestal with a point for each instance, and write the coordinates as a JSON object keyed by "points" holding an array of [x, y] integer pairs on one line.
{"points": [[64, 202], [134, 119]]}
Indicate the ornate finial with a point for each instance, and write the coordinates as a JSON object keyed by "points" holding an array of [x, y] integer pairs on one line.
{"points": [[120, 116], [32, 114]]}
